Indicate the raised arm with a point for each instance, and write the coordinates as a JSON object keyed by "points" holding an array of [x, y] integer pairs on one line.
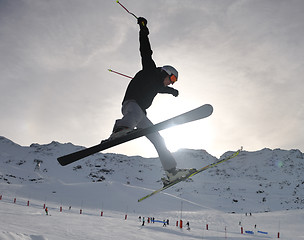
{"points": [[145, 47]]}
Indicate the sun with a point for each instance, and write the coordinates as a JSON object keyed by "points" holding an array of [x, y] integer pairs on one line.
{"points": [[196, 135]]}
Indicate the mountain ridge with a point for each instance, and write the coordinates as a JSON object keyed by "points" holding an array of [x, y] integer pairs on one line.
{"points": [[259, 181]]}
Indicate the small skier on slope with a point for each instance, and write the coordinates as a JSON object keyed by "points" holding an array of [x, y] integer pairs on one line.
{"points": [[142, 89]]}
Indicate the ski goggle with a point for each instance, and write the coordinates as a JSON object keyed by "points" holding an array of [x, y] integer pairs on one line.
{"points": [[172, 78]]}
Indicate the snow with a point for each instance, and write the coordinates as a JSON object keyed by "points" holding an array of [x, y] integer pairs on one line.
{"points": [[266, 184], [30, 222]]}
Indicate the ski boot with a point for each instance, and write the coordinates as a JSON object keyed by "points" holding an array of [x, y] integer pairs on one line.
{"points": [[176, 175], [119, 132]]}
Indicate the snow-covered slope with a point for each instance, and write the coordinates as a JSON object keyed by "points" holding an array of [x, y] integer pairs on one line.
{"points": [[265, 180], [30, 223]]}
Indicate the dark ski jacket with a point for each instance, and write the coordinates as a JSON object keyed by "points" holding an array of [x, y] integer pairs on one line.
{"points": [[148, 82]]}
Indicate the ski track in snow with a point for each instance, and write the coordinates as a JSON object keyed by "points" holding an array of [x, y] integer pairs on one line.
{"points": [[168, 194]]}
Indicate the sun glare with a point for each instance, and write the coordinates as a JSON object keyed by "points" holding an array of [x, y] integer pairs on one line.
{"points": [[193, 136]]}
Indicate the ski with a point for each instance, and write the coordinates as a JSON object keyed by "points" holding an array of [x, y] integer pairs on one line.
{"points": [[193, 115], [192, 174]]}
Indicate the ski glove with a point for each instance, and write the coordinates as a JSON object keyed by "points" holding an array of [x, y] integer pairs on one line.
{"points": [[142, 22], [175, 93]]}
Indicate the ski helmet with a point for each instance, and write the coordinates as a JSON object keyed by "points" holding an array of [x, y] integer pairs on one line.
{"points": [[172, 72]]}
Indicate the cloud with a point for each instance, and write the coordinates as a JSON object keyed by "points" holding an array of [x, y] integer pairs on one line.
{"points": [[243, 57]]}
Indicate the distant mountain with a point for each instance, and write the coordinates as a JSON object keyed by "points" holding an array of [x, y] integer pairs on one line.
{"points": [[265, 180]]}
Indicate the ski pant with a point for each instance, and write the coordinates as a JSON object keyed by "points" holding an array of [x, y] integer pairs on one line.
{"points": [[134, 116]]}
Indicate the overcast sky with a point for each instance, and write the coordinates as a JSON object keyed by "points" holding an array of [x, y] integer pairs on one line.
{"points": [[245, 57]]}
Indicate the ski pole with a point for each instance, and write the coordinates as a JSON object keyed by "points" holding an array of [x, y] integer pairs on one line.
{"points": [[119, 73], [126, 9]]}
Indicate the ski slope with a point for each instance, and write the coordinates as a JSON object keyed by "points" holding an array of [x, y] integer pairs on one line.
{"points": [[266, 183], [21, 222]]}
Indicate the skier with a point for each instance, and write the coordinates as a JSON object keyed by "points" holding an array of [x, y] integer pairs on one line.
{"points": [[188, 226], [46, 211], [142, 89]]}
